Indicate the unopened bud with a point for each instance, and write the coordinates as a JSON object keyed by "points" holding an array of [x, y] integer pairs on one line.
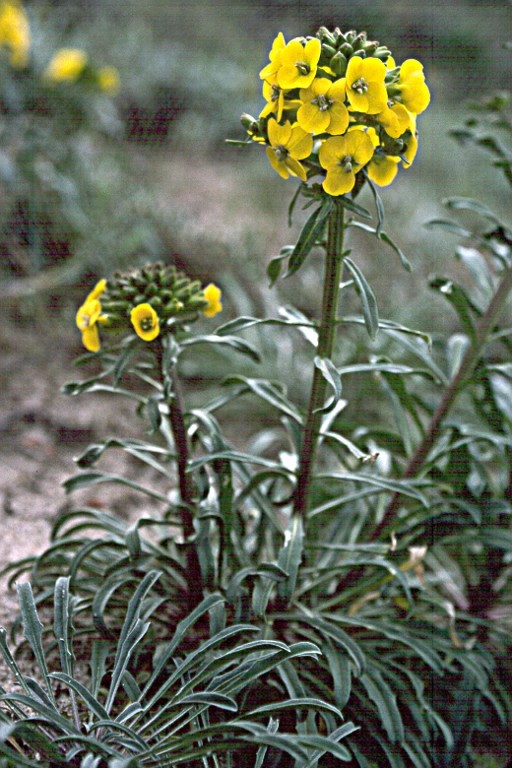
{"points": [[338, 64], [325, 36], [328, 50], [370, 47], [382, 53], [359, 41], [346, 49]]}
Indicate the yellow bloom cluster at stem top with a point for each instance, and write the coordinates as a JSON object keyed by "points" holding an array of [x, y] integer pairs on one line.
{"points": [[337, 104], [139, 316]]}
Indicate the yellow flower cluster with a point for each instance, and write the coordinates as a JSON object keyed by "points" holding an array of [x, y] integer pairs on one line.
{"points": [[104, 306], [14, 32], [337, 103]]}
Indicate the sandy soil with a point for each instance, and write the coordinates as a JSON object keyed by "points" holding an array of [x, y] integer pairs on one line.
{"points": [[41, 431]]}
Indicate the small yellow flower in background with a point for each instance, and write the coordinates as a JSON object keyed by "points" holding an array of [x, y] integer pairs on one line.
{"points": [[414, 91], [15, 32], [67, 64], [342, 157], [298, 63], [288, 145], [108, 80], [322, 107], [366, 90], [86, 320], [145, 321], [212, 294]]}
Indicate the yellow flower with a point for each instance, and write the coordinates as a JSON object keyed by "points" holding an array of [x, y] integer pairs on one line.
{"points": [[342, 157], [212, 294], [323, 107], [145, 321], [409, 153], [108, 80], [269, 73], [66, 64], [15, 32], [382, 169], [86, 320], [395, 119], [298, 63], [288, 146], [274, 96], [366, 90], [414, 91], [98, 289]]}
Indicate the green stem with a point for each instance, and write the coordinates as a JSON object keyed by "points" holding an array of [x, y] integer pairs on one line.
{"points": [[326, 337], [185, 482], [456, 385]]}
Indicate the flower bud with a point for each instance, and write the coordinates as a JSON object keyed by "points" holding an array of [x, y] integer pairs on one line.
{"points": [[359, 41], [338, 64], [382, 53], [328, 50], [370, 47], [346, 49], [326, 36]]}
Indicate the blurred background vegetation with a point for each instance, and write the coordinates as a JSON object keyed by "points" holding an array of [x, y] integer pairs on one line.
{"points": [[92, 182]]}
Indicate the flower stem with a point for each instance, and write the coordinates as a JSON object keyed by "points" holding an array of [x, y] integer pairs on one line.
{"points": [[185, 483], [456, 385], [326, 337]]}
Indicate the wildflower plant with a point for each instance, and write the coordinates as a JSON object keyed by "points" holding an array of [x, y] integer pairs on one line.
{"points": [[358, 545]]}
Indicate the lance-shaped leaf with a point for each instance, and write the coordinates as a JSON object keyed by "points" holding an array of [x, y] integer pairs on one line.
{"points": [[367, 296], [311, 233], [290, 557]]}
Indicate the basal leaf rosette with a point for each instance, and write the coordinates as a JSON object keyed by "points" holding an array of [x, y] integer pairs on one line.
{"points": [[338, 110], [149, 301]]}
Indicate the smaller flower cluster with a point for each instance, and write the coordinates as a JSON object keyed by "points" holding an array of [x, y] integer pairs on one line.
{"points": [[337, 103], [14, 33], [66, 65], [147, 301], [72, 64]]}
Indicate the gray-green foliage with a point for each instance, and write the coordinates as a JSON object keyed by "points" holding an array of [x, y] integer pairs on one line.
{"points": [[94, 704], [388, 599]]}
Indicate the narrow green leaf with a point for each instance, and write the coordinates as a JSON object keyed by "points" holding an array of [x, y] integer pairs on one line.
{"points": [[233, 342], [92, 703], [181, 632], [339, 667], [268, 392], [384, 699], [210, 699], [469, 204], [378, 207], [386, 239], [367, 296], [332, 377], [35, 738], [275, 265], [86, 479], [63, 627], [311, 232], [33, 631], [290, 557]]}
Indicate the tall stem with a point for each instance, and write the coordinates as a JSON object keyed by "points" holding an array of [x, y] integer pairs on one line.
{"points": [[466, 368], [185, 483], [326, 337]]}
